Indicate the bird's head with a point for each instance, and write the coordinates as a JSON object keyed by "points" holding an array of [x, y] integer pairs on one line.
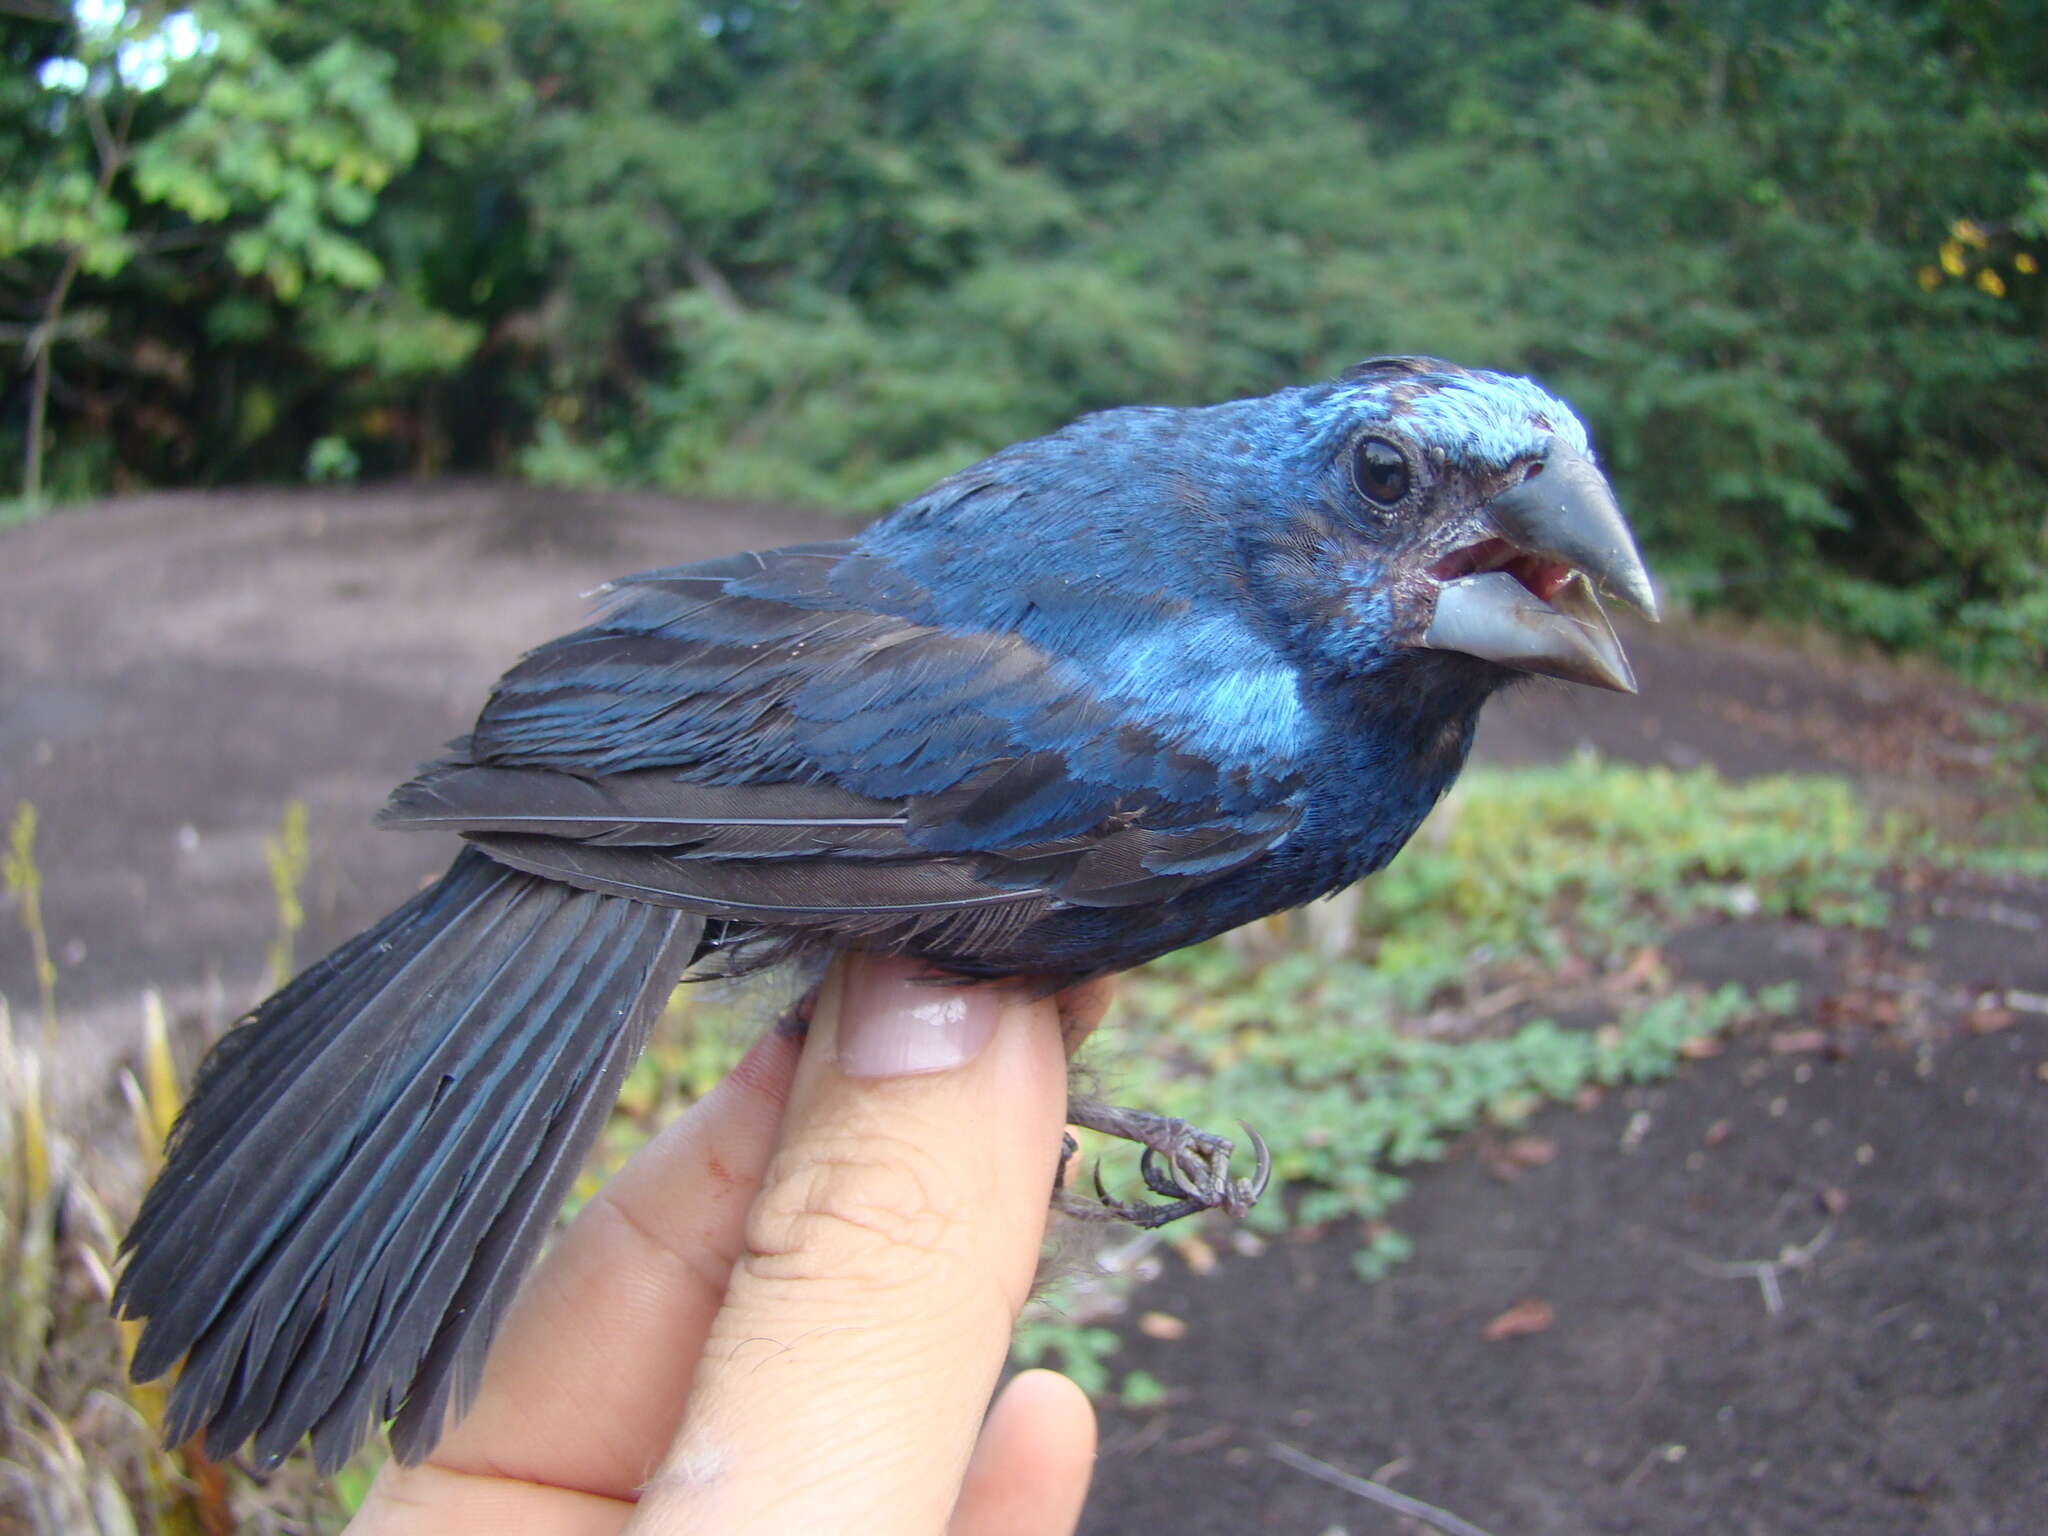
{"points": [[1413, 510]]}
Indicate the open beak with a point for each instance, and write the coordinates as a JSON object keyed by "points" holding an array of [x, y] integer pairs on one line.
{"points": [[1528, 596]]}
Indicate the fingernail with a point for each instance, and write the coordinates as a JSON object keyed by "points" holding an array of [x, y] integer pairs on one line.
{"points": [[893, 1024]]}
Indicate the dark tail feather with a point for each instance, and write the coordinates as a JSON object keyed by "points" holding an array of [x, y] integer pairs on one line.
{"points": [[369, 1162]]}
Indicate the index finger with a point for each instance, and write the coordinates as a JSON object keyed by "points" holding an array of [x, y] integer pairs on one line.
{"points": [[887, 1255]]}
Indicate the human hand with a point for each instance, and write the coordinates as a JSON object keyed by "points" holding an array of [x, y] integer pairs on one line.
{"points": [[787, 1312]]}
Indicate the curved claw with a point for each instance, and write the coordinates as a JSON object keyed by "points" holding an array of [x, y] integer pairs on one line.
{"points": [[1069, 1149], [1262, 1164], [1160, 1183], [1248, 1191]]}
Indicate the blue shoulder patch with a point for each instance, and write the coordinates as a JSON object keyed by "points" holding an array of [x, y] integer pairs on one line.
{"points": [[1206, 684]]}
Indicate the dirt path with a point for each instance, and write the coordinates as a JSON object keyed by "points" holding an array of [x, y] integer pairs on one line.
{"points": [[174, 670]]}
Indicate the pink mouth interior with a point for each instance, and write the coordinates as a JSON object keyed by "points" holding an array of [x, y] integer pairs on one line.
{"points": [[1542, 577]]}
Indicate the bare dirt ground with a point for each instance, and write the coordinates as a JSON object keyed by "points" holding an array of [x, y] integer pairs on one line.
{"points": [[174, 670], [1788, 1292]]}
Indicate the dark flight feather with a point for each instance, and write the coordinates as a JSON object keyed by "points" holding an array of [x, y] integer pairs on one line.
{"points": [[368, 1214]]}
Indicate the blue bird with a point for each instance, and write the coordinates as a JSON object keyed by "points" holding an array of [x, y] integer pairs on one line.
{"points": [[1104, 694]]}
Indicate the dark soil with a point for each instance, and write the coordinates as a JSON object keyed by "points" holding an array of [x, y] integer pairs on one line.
{"points": [[173, 670], [1901, 1387]]}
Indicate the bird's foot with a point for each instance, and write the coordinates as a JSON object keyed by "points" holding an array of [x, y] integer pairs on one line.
{"points": [[1189, 1168]]}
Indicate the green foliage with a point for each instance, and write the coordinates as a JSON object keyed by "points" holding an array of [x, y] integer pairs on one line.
{"points": [[2019, 764], [1081, 1353], [331, 458], [1140, 1390], [1595, 859], [1979, 593], [289, 152], [1787, 258], [173, 156], [1384, 1249], [390, 335]]}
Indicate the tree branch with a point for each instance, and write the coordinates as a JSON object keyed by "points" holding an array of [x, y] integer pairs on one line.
{"points": [[102, 137], [113, 151]]}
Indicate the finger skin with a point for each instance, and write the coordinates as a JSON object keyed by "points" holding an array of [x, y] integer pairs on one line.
{"points": [[886, 1257], [429, 1501], [1030, 1469]]}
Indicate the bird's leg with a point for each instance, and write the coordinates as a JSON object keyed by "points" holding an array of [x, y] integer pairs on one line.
{"points": [[1190, 1168]]}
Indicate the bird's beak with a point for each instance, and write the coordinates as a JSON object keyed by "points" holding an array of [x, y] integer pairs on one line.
{"points": [[1528, 596]]}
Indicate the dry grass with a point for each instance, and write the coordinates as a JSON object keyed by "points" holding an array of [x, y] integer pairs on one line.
{"points": [[81, 1451]]}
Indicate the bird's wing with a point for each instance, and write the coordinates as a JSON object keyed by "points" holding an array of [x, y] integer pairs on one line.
{"points": [[762, 738]]}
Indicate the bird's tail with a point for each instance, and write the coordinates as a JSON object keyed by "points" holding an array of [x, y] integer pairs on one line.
{"points": [[369, 1162]]}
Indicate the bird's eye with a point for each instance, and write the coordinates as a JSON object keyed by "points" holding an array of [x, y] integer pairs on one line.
{"points": [[1379, 471]]}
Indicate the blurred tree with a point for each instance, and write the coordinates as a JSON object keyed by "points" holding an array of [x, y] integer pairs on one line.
{"points": [[829, 249], [179, 140]]}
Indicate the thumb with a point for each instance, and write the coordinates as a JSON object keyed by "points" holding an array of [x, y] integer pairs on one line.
{"points": [[886, 1258]]}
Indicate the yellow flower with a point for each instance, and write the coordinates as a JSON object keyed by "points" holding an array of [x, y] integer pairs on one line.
{"points": [[1991, 283], [1967, 231], [1952, 258], [1928, 278], [2025, 265]]}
